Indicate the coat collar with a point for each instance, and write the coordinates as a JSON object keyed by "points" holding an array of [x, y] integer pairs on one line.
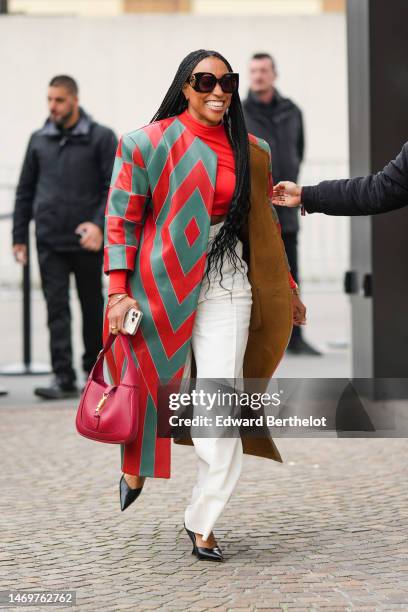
{"points": [[278, 104], [82, 128], [157, 141]]}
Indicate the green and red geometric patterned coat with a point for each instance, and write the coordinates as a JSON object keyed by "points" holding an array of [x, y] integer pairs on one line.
{"points": [[156, 227]]}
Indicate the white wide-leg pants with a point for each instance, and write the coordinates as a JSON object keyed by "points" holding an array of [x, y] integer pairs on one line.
{"points": [[219, 340]]}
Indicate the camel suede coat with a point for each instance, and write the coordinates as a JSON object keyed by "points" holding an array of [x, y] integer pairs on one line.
{"points": [[156, 226]]}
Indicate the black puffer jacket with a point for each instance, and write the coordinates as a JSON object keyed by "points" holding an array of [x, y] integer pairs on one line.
{"points": [[64, 181], [367, 195], [280, 124]]}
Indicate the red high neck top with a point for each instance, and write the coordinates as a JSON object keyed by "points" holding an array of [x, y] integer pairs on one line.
{"points": [[216, 138]]}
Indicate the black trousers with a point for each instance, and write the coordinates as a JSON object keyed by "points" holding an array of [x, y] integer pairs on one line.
{"points": [[290, 240], [55, 269]]}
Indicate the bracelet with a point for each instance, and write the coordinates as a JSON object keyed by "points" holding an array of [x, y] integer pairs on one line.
{"points": [[296, 290], [117, 299]]}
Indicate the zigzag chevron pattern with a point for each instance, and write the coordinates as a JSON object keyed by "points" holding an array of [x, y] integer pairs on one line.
{"points": [[157, 224]]}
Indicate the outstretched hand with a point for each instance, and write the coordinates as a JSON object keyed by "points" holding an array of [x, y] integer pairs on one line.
{"points": [[287, 194]]}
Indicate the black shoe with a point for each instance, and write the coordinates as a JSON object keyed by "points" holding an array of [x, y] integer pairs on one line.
{"points": [[205, 554], [300, 347], [3, 391], [127, 494], [58, 389]]}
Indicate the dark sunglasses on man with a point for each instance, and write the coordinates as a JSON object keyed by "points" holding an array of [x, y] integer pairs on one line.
{"points": [[205, 82]]}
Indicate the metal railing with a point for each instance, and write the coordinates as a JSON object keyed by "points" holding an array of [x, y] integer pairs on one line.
{"points": [[26, 367]]}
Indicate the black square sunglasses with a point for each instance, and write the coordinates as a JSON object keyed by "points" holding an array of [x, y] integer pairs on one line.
{"points": [[205, 82]]}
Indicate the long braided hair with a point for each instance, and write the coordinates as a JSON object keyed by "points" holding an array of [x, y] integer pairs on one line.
{"points": [[174, 103]]}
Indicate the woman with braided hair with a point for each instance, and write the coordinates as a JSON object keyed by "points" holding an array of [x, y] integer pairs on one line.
{"points": [[192, 240]]}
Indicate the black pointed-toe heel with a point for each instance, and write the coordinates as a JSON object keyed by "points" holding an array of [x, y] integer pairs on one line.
{"points": [[202, 553], [127, 494]]}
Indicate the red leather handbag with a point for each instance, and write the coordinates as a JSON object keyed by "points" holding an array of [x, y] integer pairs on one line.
{"points": [[109, 413]]}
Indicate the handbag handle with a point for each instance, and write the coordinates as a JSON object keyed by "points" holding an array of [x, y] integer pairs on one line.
{"points": [[131, 374]]}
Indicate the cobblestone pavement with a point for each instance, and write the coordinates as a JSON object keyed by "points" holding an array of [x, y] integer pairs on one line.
{"points": [[327, 529]]}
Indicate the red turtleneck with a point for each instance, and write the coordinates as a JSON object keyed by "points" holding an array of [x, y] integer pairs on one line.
{"points": [[216, 138]]}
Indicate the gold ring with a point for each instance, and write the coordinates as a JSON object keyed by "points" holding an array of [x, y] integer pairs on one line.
{"points": [[113, 327]]}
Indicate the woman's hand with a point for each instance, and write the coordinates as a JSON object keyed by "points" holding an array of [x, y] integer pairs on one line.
{"points": [[288, 194], [299, 311], [117, 312]]}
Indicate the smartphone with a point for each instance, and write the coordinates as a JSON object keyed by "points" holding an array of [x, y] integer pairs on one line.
{"points": [[132, 320]]}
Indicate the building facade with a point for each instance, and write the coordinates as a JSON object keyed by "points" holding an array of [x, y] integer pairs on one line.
{"points": [[208, 7]]}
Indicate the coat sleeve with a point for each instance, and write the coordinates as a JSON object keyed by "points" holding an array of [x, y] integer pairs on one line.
{"points": [[25, 192], [292, 282], [107, 146], [129, 193], [301, 137], [370, 195]]}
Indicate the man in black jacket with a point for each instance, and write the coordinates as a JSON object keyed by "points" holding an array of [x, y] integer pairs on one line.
{"points": [[278, 120], [63, 186], [368, 195]]}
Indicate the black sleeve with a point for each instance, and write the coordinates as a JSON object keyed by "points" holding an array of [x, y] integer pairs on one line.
{"points": [[107, 146], [368, 195], [301, 139], [25, 192]]}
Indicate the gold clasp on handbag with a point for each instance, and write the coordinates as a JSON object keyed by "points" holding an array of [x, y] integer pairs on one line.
{"points": [[101, 403]]}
